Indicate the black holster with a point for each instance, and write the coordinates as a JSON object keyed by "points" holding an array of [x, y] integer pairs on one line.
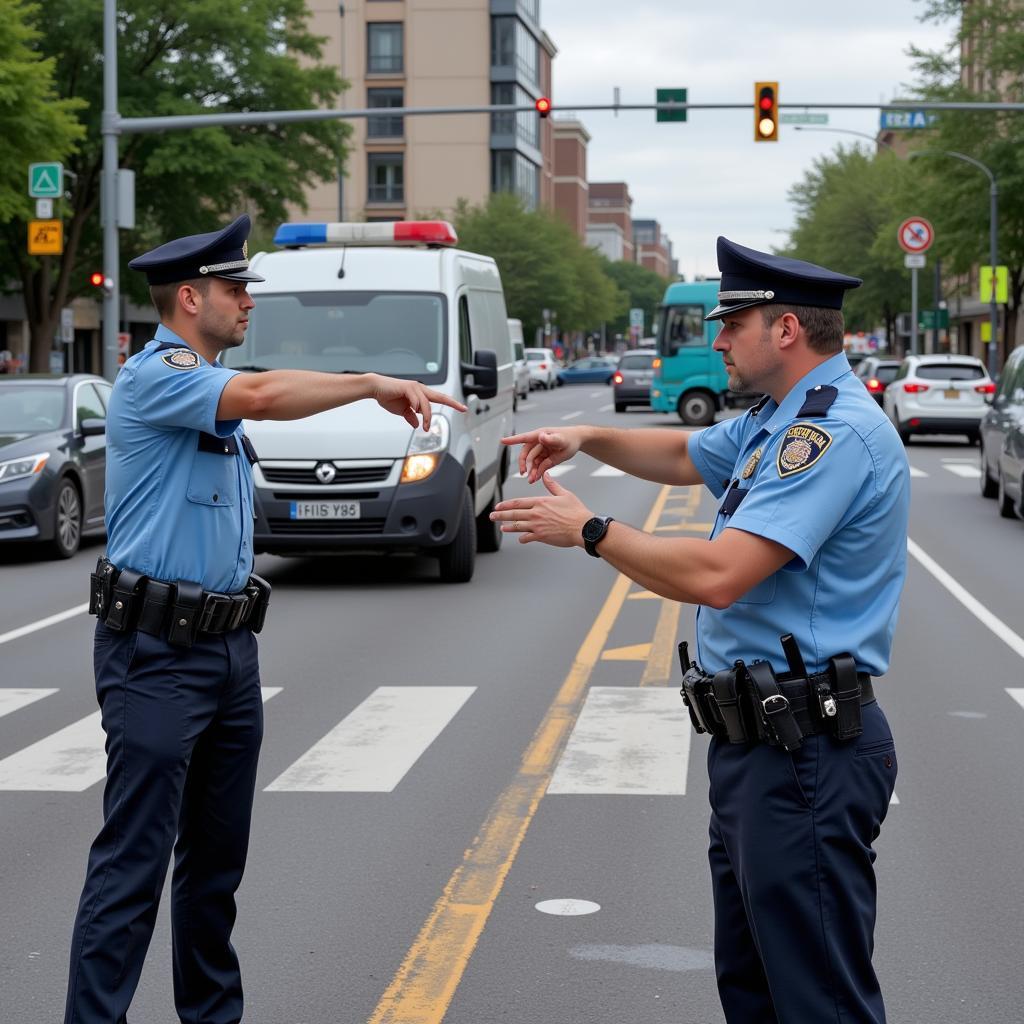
{"points": [[120, 609], [846, 692], [772, 709], [261, 600], [725, 693]]}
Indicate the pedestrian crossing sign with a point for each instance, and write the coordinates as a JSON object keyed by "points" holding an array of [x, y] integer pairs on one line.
{"points": [[46, 181]]}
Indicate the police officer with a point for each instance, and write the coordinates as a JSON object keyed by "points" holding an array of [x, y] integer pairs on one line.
{"points": [[175, 657], [793, 621]]}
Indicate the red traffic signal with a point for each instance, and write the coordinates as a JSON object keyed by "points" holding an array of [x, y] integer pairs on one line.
{"points": [[543, 106], [766, 111], [96, 279]]}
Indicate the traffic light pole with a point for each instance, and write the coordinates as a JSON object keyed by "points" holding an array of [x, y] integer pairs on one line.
{"points": [[108, 200]]}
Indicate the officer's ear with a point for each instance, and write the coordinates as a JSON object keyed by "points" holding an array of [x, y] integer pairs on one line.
{"points": [[191, 295], [790, 329]]}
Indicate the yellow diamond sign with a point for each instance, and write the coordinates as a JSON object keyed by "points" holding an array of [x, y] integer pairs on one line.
{"points": [[45, 237]]}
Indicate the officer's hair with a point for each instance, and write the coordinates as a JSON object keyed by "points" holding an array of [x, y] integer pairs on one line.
{"points": [[824, 327], [165, 296]]}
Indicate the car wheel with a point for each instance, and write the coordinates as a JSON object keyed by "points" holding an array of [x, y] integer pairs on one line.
{"points": [[696, 409], [620, 406], [560, 382], [488, 534], [1005, 503], [458, 558], [989, 487], [67, 532], [973, 437]]}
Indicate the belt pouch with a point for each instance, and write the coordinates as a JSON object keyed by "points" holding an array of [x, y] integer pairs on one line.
{"points": [[258, 615], [695, 687], [123, 600], [846, 692], [726, 698], [100, 587], [772, 707], [184, 619]]}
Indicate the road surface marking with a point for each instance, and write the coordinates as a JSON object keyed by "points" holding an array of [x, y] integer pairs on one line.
{"points": [[567, 908], [643, 595], [14, 698], [959, 469], [597, 394], [426, 981], [565, 467], [373, 747], [607, 408], [50, 620], [1017, 694], [914, 472], [572, 415], [685, 528], [968, 600], [894, 799], [67, 761], [635, 652], [608, 471], [627, 740], [658, 670]]}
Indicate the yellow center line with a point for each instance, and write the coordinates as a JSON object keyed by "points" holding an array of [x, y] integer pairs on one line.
{"points": [[425, 983]]}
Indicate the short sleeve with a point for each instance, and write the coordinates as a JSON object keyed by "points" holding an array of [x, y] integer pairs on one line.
{"points": [[715, 450], [820, 476], [182, 392]]}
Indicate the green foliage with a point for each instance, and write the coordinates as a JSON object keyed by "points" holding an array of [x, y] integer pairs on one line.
{"points": [[543, 264], [34, 123], [644, 288]]}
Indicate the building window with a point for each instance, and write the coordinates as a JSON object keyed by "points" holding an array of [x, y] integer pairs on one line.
{"points": [[384, 126], [525, 124], [384, 48], [512, 46], [386, 177], [512, 172]]}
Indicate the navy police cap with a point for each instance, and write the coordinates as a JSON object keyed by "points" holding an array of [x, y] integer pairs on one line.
{"points": [[221, 253], [752, 278]]}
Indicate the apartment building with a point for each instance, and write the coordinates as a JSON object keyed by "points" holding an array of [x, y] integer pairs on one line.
{"points": [[653, 248], [571, 189], [436, 53], [610, 220]]}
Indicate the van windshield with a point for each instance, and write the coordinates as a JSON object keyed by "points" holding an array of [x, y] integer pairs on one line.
{"points": [[400, 334]]}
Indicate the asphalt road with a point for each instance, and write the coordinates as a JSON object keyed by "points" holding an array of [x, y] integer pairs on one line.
{"points": [[548, 761]]}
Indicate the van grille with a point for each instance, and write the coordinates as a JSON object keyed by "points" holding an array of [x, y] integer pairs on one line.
{"points": [[307, 477], [325, 527]]}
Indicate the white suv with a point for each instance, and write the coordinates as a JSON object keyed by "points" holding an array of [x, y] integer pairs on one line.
{"points": [[543, 368], [942, 394]]}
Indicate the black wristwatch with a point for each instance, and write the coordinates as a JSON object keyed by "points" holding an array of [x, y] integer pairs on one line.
{"points": [[593, 533]]}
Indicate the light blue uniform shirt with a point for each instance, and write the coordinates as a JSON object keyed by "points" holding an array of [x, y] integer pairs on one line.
{"points": [[173, 511], [835, 490]]}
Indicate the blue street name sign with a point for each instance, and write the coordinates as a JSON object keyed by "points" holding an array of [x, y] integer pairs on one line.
{"points": [[903, 119]]}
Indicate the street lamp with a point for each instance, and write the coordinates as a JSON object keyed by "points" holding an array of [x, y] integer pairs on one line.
{"points": [[993, 222]]}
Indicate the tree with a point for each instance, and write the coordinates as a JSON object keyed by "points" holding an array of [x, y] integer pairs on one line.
{"points": [[644, 290], [543, 264], [178, 57]]}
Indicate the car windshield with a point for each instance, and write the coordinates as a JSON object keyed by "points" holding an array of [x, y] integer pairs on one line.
{"points": [[31, 408], [636, 362], [401, 334], [535, 357], [949, 371]]}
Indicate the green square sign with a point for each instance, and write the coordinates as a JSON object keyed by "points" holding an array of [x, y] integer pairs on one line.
{"points": [[670, 96], [46, 181]]}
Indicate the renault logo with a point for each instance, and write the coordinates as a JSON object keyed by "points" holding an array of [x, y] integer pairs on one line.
{"points": [[326, 473]]}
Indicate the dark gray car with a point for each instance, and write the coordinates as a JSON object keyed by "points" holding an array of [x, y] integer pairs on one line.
{"points": [[52, 459], [632, 379], [1002, 440]]}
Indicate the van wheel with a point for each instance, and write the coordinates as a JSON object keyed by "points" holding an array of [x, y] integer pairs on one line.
{"points": [[459, 557], [696, 409], [488, 534]]}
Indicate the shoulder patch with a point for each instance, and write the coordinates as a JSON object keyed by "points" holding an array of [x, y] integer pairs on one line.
{"points": [[802, 445], [181, 359]]}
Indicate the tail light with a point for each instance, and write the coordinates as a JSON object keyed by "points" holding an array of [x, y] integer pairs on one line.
{"points": [[657, 363], [874, 385], [915, 389], [617, 378], [986, 389], [543, 366]]}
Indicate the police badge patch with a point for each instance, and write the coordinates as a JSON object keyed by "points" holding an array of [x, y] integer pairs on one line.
{"points": [[181, 359], [802, 445]]}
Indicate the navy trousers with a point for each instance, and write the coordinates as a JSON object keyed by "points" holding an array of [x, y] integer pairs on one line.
{"points": [[793, 876], [183, 731]]}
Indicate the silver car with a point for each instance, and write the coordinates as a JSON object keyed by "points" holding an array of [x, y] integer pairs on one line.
{"points": [[632, 379]]}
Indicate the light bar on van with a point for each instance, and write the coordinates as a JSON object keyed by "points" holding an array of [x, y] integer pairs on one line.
{"points": [[400, 232]]}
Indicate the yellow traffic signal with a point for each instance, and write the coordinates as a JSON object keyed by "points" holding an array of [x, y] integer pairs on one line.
{"points": [[766, 111]]}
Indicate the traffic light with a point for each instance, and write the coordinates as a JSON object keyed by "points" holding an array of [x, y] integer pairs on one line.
{"points": [[766, 111], [100, 281], [543, 106]]}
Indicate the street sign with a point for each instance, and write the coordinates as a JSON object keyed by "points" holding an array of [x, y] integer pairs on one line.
{"points": [[45, 237], [46, 181], [1002, 284], [904, 119], [44, 209], [932, 319], [124, 344], [636, 318], [67, 325], [915, 234], [914, 261], [670, 96], [803, 118]]}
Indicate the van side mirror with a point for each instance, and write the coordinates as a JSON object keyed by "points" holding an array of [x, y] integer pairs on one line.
{"points": [[480, 377], [92, 426]]}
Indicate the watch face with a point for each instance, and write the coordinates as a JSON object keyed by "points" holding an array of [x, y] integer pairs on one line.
{"points": [[594, 529]]}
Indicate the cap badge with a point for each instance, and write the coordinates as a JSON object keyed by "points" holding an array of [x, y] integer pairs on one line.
{"points": [[181, 359], [245, 249], [748, 469], [802, 446]]}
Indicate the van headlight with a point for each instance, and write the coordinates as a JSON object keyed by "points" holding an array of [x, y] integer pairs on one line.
{"points": [[426, 450]]}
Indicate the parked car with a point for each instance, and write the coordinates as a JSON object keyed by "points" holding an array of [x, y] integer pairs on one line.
{"points": [[53, 456], [543, 367], [589, 370], [942, 394], [856, 358], [632, 380], [877, 373], [521, 370], [1002, 440]]}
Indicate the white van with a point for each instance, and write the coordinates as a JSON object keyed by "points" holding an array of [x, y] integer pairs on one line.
{"points": [[521, 372], [397, 299]]}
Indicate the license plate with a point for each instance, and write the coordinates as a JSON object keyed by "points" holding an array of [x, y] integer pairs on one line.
{"points": [[325, 510], [951, 393], [644, 378]]}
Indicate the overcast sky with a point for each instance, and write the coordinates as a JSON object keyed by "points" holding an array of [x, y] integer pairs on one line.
{"points": [[708, 177]]}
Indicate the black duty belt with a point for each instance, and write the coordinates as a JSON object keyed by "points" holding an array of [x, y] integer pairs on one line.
{"points": [[178, 611], [750, 704]]}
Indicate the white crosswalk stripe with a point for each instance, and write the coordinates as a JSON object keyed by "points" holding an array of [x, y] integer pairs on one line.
{"points": [[13, 698], [374, 746], [1017, 693], [629, 740], [915, 472], [608, 471], [967, 472], [67, 761]]}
